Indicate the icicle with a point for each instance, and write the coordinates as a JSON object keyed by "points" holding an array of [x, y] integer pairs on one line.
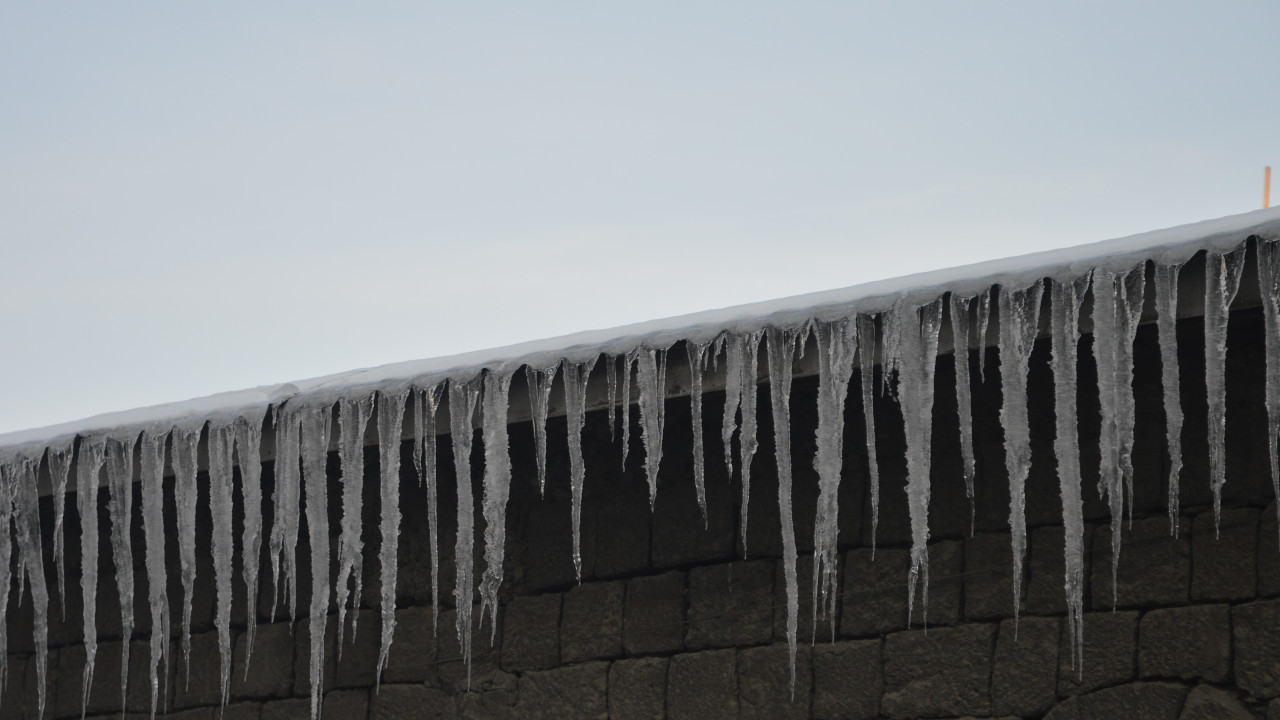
{"points": [[120, 511], [782, 350], [984, 321], [624, 409], [497, 490], [575, 403], [611, 373], [747, 440], [152, 481], [964, 400], [697, 361], [390, 426], [1269, 289], [353, 417], [462, 408], [88, 466], [185, 443], [221, 489], [427, 403], [59, 459], [286, 504], [1065, 319], [651, 382], [867, 370], [1019, 324], [314, 436], [26, 524], [837, 344], [735, 356], [248, 435], [1222, 280], [1166, 279], [7, 481], [540, 382]]}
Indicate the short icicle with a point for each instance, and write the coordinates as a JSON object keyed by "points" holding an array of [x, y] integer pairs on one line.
{"points": [[984, 322], [462, 408], [221, 491], [248, 438], [26, 525], [651, 383], [120, 511], [624, 407], [1019, 325], [1269, 286], [426, 404], [59, 461], [781, 356], [1222, 280], [611, 379], [314, 433], [735, 357], [837, 345], [152, 480], [697, 363], [1065, 323], [575, 376], [1166, 287], [390, 426], [353, 419], [185, 441], [539, 382], [960, 334], [866, 378], [497, 490]]}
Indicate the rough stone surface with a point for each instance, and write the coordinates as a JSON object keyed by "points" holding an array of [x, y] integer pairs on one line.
{"points": [[1147, 700], [1268, 553], [805, 628], [1256, 627], [1110, 647], [410, 702], [988, 570], [1045, 595], [242, 711], [413, 649], [357, 665], [577, 691], [847, 679], [875, 592], [299, 709], [702, 685], [1206, 702], [530, 640], [302, 657], [1188, 643], [270, 673], [1225, 564], [653, 619], [1155, 569], [345, 705], [730, 604], [764, 683], [591, 622], [944, 672], [1024, 678], [638, 689]]}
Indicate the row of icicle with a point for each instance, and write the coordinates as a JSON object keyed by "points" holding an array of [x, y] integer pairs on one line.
{"points": [[904, 338]]}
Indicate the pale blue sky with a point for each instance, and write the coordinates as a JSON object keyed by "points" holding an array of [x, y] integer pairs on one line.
{"points": [[198, 197]]}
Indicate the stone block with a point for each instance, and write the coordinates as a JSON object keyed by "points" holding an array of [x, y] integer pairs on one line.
{"points": [[15, 696], [944, 672], [702, 685], [270, 668], [765, 684], [345, 705], [242, 711], [591, 622], [1154, 569], [356, 663], [413, 649], [550, 529], [1206, 702], [622, 525], [104, 694], [988, 571], [1110, 644], [577, 691], [194, 714], [410, 702], [302, 657], [1268, 554], [1024, 678], [653, 619], [730, 604], [530, 635], [875, 591], [1256, 629], [638, 689], [1189, 643], [1225, 565], [1146, 700], [299, 709], [805, 629], [1047, 573], [485, 679], [847, 680]]}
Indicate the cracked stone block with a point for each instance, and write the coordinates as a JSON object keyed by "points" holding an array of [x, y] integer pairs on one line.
{"points": [[1189, 643], [944, 672], [1256, 629]]}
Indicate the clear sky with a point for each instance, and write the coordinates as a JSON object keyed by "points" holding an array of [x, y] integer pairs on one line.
{"points": [[199, 197]]}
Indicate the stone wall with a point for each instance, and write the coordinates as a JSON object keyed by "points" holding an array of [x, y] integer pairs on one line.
{"points": [[673, 618]]}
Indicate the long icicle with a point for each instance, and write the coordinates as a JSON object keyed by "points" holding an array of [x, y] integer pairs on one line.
{"points": [[1019, 324], [390, 427], [497, 490], [1166, 286], [59, 461], [1222, 280], [1065, 323], [120, 512], [624, 407], [286, 503], [1129, 316], [866, 378], [186, 440], [221, 492], [651, 382], [575, 403], [611, 379], [26, 525], [539, 382], [462, 408], [7, 471], [781, 355], [152, 480], [248, 434], [1269, 289], [314, 440], [984, 321], [734, 358], [837, 345], [697, 361], [960, 333], [427, 403], [748, 443], [353, 419]]}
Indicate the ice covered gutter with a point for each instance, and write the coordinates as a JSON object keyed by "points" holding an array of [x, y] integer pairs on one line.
{"points": [[1194, 270]]}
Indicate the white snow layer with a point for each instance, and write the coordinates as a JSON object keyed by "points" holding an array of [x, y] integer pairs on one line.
{"points": [[901, 323]]}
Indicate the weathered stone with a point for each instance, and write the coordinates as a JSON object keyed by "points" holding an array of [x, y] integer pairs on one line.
{"points": [[242, 711], [1225, 566], [638, 689], [577, 691], [944, 672], [591, 622], [104, 694], [1025, 676], [1273, 710], [988, 571], [1154, 569], [765, 683], [847, 680], [485, 678], [1188, 643], [529, 641], [299, 709], [730, 604], [413, 651], [702, 685], [302, 657], [875, 592], [410, 702], [345, 705], [357, 661], [1206, 702], [194, 714], [270, 672], [1068, 709], [1046, 573], [622, 534], [1268, 553], [1147, 700], [1110, 644], [1256, 627], [805, 629], [654, 615]]}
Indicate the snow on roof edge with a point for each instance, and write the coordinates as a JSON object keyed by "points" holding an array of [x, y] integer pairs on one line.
{"points": [[1170, 245]]}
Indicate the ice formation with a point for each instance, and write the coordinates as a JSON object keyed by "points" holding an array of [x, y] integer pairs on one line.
{"points": [[900, 329]]}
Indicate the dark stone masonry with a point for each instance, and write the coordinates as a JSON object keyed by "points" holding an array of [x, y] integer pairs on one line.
{"points": [[673, 618]]}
